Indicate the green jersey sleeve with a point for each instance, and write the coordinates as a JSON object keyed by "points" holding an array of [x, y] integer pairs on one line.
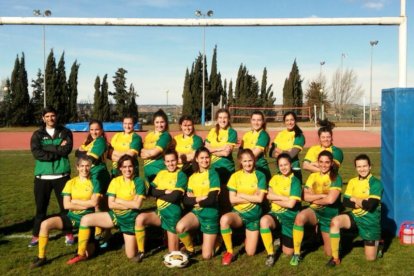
{"points": [[197, 142], [139, 186], [164, 140], [214, 180]]}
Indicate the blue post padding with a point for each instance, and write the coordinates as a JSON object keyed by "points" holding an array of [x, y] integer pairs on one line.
{"points": [[397, 157]]}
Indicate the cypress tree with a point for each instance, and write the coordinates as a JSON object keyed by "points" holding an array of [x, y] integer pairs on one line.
{"points": [[187, 96], [106, 109], [132, 105], [36, 101], [196, 88], [73, 93], [61, 97], [292, 89], [97, 101], [19, 96], [230, 101], [120, 94], [50, 79]]}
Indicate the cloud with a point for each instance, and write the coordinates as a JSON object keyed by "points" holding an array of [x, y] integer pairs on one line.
{"points": [[374, 5]]}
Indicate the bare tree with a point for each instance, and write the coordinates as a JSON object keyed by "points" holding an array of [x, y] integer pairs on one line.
{"points": [[344, 89]]}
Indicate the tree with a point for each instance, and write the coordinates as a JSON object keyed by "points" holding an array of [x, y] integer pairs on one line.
{"points": [[50, 80], [215, 91], [120, 95], [187, 95], [73, 93], [345, 89], [132, 105], [230, 97], [19, 95], [106, 109], [97, 101], [317, 95], [197, 88], [266, 95], [292, 89], [36, 101], [246, 93], [61, 97], [5, 110]]}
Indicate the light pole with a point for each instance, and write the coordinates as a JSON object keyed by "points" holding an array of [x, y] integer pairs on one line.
{"points": [[373, 43], [322, 63], [45, 13], [166, 92], [198, 13]]}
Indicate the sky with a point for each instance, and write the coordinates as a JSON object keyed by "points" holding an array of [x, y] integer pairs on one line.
{"points": [[156, 58]]}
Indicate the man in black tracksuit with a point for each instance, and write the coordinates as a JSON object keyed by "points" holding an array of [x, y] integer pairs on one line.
{"points": [[50, 145]]}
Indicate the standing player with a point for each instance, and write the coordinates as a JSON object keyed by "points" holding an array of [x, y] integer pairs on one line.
{"points": [[80, 196], [247, 189], [51, 145], [363, 195], [125, 196], [291, 141], [155, 143], [285, 192], [126, 142], [220, 141], [310, 162], [323, 192], [186, 144], [257, 140], [168, 188], [202, 198]]}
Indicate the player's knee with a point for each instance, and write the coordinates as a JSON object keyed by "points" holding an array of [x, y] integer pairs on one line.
{"points": [[264, 222], [180, 228], [224, 221]]}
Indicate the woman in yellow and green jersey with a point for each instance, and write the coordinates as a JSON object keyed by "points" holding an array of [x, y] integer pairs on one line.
{"points": [[155, 143], [186, 143], [220, 141], [126, 142], [202, 198], [285, 192], [310, 162], [168, 188], [247, 188], [363, 195], [257, 140], [80, 196], [125, 196], [323, 191], [291, 141]]}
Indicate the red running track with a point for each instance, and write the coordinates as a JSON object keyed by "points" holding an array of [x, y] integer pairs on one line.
{"points": [[343, 138]]}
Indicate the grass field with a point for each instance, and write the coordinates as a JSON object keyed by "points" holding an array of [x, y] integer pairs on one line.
{"points": [[17, 209]]}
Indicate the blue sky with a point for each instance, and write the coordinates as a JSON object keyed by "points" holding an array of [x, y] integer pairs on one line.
{"points": [[156, 57]]}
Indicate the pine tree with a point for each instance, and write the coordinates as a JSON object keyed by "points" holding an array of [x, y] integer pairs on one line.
{"points": [[224, 97], [120, 94], [230, 101], [266, 95], [97, 101], [5, 109], [292, 89], [36, 101], [106, 109], [196, 88], [215, 90], [73, 93], [132, 105], [315, 95]]}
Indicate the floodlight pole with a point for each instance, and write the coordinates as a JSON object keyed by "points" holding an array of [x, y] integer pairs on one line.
{"points": [[45, 13], [373, 43], [198, 13]]}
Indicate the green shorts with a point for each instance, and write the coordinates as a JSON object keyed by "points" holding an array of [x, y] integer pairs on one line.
{"points": [[324, 217], [100, 176], [251, 218], [208, 219], [125, 222], [169, 217], [74, 219], [286, 219], [369, 225]]}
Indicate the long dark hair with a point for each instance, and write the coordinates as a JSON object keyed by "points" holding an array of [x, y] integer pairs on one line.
{"points": [[296, 128], [221, 110], [196, 167], [161, 113], [89, 139], [325, 126], [333, 172], [258, 112]]}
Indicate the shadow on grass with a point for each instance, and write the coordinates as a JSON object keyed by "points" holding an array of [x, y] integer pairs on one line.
{"points": [[20, 227]]}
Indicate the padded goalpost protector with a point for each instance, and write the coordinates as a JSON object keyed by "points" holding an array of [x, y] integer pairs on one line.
{"points": [[397, 157]]}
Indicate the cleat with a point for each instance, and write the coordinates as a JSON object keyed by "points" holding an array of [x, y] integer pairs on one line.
{"points": [[69, 239], [138, 258], [380, 252], [227, 258], [333, 262], [34, 241], [76, 259], [276, 245], [270, 260], [295, 260], [38, 262], [189, 253]]}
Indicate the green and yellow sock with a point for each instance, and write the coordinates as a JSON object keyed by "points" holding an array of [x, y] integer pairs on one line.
{"points": [[185, 238], [226, 234], [297, 238], [83, 237], [140, 238], [267, 240], [335, 239], [43, 240]]}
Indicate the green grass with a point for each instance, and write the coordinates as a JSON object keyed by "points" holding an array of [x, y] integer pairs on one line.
{"points": [[17, 209]]}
